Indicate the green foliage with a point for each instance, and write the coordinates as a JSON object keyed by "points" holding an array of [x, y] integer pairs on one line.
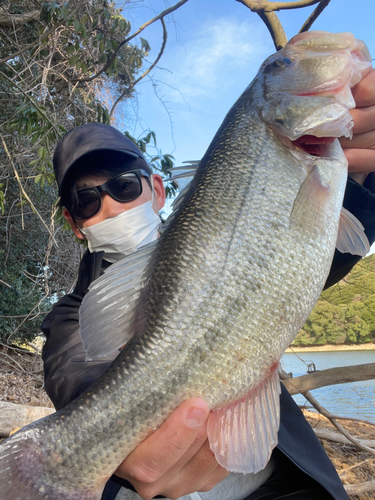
{"points": [[161, 164], [345, 313], [76, 59]]}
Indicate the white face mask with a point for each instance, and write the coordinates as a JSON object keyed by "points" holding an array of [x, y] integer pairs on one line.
{"points": [[124, 234]]}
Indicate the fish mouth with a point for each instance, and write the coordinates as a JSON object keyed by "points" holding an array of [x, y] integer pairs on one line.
{"points": [[314, 146]]}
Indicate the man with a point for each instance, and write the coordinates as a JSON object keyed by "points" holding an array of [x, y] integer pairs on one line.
{"points": [[176, 460]]}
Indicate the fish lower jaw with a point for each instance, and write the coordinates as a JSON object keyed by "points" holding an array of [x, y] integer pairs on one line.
{"points": [[315, 146], [309, 147]]}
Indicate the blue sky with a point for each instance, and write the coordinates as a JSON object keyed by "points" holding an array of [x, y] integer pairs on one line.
{"points": [[214, 50]]}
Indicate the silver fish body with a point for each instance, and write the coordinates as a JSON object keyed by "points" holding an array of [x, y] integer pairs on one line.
{"points": [[230, 282]]}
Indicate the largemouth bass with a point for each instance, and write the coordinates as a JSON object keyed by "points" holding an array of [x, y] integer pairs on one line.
{"points": [[208, 309]]}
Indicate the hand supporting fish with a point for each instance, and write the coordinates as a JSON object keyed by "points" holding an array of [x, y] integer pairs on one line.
{"points": [[193, 333]]}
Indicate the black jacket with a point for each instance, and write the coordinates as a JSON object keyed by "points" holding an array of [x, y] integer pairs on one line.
{"points": [[67, 375]]}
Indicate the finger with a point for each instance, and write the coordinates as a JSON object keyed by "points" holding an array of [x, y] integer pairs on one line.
{"points": [[160, 451], [176, 483], [364, 119], [201, 473], [214, 478], [361, 160], [364, 91], [359, 141]]}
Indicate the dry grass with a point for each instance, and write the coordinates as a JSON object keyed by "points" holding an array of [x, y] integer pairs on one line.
{"points": [[353, 466]]}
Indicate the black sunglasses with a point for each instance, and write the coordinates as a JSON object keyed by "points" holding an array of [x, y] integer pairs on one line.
{"points": [[127, 186]]}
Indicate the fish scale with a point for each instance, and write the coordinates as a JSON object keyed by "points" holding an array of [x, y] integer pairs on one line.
{"points": [[212, 305]]}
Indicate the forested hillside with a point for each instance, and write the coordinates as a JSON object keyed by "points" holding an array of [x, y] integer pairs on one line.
{"points": [[345, 313]]}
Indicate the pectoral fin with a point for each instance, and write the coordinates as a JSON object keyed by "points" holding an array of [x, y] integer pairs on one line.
{"points": [[351, 237], [243, 434], [106, 315], [310, 201]]}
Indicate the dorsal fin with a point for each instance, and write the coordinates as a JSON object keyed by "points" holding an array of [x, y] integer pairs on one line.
{"points": [[183, 176], [107, 311]]}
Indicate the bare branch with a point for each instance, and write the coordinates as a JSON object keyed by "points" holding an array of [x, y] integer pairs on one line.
{"points": [[338, 426], [353, 419], [16, 19], [266, 11], [307, 25], [24, 315], [33, 101], [140, 29], [45, 35], [266, 6], [339, 438], [5, 284], [123, 94], [332, 376], [275, 28], [24, 192], [15, 415], [292, 5], [358, 489]]}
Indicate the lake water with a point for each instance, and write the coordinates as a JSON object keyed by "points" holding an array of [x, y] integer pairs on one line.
{"points": [[350, 400]]}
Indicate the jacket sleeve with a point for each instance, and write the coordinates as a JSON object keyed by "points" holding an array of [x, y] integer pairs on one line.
{"points": [[298, 442], [66, 372], [360, 201]]}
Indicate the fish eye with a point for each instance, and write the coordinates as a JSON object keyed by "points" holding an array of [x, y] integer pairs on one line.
{"points": [[281, 62]]}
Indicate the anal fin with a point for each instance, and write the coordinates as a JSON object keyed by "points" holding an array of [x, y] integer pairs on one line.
{"points": [[243, 434]]}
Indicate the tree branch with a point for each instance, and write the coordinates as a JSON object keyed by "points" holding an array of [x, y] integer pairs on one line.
{"points": [[339, 438], [15, 415], [16, 19], [332, 376], [24, 315], [358, 489], [165, 35], [266, 11], [38, 42], [5, 284], [24, 192], [275, 28], [109, 62], [264, 5], [307, 25], [33, 102], [338, 426]]}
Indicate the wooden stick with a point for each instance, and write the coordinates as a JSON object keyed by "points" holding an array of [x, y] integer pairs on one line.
{"points": [[339, 438], [331, 376], [358, 489], [14, 416]]}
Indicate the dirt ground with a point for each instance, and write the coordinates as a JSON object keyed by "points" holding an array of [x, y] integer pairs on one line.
{"points": [[21, 378], [21, 381]]}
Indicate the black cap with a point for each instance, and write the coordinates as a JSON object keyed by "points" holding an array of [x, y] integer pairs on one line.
{"points": [[81, 141]]}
